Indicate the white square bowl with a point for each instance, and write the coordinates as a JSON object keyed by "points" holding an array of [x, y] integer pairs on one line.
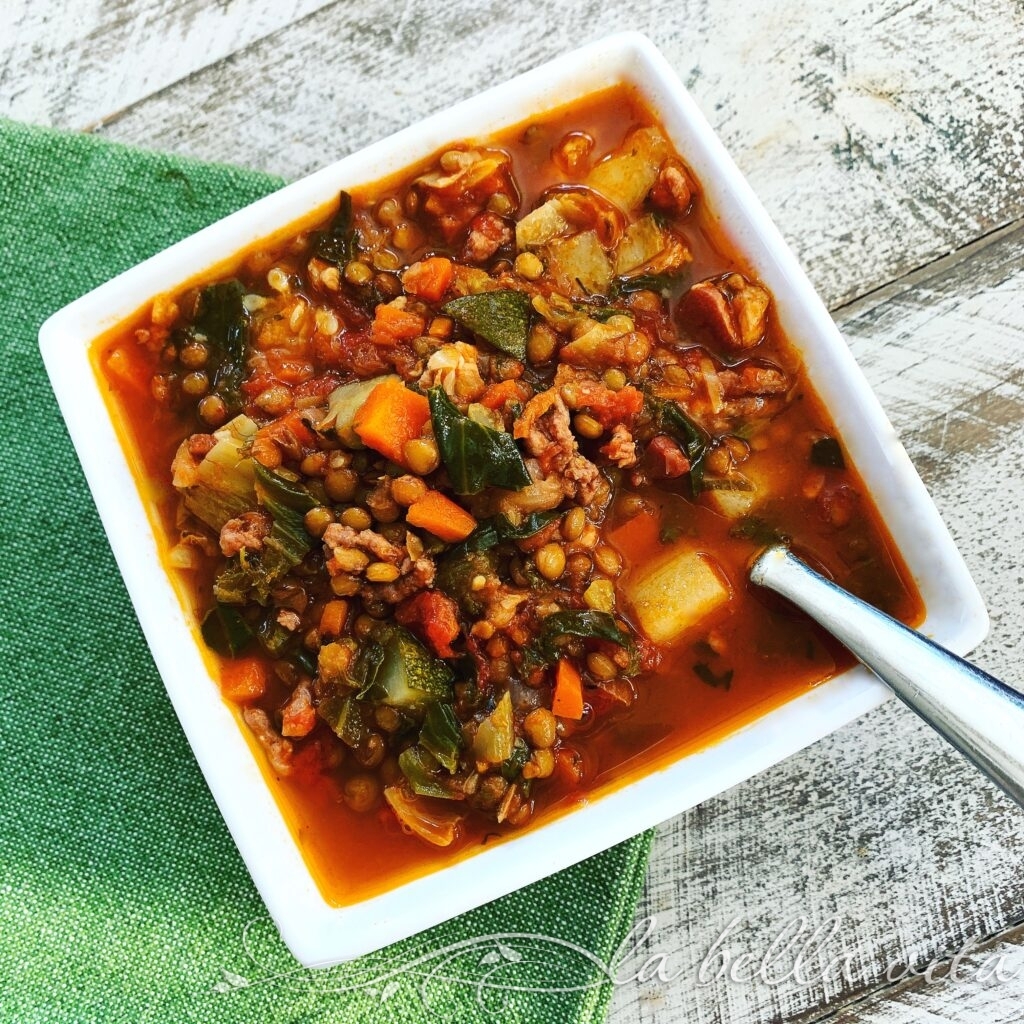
{"points": [[316, 932]]}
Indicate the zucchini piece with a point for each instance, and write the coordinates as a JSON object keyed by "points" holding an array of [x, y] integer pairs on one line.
{"points": [[408, 675]]}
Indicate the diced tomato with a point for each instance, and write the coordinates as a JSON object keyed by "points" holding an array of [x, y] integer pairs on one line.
{"points": [[433, 617]]}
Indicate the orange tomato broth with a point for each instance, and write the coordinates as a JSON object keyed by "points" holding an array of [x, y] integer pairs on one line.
{"points": [[774, 652]]}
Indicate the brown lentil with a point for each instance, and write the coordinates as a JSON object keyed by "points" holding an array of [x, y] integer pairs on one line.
{"points": [[341, 484], [358, 273], [382, 572], [317, 520], [574, 523], [195, 384], [357, 518], [541, 345], [600, 666], [608, 560], [586, 426], [422, 456], [539, 726], [550, 561], [408, 489], [360, 792]]}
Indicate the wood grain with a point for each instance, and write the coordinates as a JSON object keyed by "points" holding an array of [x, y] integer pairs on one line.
{"points": [[72, 66], [981, 984]]}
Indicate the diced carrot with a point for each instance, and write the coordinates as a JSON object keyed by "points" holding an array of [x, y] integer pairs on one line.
{"points": [[243, 680], [429, 279], [392, 324], [441, 516], [507, 390], [567, 701], [332, 619], [391, 415]]}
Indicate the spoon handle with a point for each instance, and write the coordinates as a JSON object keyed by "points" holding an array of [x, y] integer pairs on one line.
{"points": [[981, 716]]}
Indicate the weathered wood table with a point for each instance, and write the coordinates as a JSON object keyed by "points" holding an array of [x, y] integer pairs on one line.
{"points": [[886, 138]]}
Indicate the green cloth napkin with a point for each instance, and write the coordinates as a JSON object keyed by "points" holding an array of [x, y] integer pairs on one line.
{"points": [[122, 897]]}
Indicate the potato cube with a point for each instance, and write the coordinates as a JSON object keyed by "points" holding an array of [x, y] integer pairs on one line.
{"points": [[677, 593]]}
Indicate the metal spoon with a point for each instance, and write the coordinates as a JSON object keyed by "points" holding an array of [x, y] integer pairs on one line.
{"points": [[981, 716]]}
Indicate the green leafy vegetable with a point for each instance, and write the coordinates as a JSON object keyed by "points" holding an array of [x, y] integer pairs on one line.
{"points": [[501, 318], [825, 452], [474, 455], [491, 532], [455, 573], [663, 284], [513, 765], [223, 322], [225, 631], [587, 624], [273, 636], [337, 244], [275, 491], [418, 766], [671, 419], [758, 530], [346, 717], [441, 735], [720, 680]]}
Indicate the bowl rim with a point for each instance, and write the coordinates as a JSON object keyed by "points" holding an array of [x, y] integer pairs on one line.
{"points": [[317, 933]]}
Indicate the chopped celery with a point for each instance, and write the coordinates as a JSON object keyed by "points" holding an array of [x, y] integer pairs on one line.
{"points": [[495, 736], [226, 480]]}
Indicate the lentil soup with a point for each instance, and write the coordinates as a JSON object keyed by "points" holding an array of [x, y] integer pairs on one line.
{"points": [[461, 484]]}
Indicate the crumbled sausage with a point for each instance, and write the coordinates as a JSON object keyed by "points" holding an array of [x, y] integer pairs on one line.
{"points": [[279, 750], [734, 309], [549, 438], [487, 234], [621, 449], [245, 532], [674, 190]]}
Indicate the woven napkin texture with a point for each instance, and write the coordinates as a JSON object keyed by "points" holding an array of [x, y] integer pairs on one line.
{"points": [[122, 896]]}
